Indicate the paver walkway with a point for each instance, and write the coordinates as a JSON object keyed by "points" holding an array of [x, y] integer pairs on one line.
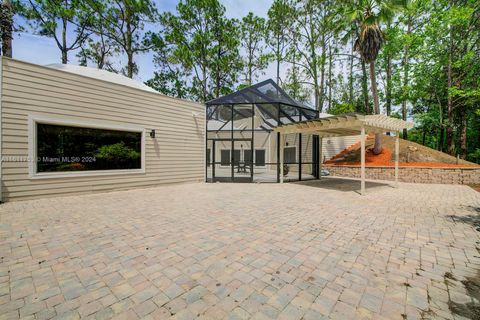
{"points": [[241, 251]]}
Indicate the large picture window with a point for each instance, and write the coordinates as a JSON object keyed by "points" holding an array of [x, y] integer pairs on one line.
{"points": [[66, 148]]}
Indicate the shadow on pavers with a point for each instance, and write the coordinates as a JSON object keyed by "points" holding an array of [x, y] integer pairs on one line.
{"points": [[472, 219], [340, 184], [469, 310]]}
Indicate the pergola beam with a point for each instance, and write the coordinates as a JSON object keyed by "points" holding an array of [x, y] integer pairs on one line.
{"points": [[351, 122], [313, 126], [348, 125]]}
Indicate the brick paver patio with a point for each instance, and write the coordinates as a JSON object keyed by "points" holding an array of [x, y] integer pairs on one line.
{"points": [[238, 251]]}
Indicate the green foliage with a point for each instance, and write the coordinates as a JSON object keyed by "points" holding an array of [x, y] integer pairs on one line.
{"points": [[341, 108], [425, 56], [293, 86], [116, 153], [396, 115], [169, 83], [200, 45], [443, 87], [253, 36], [277, 32], [474, 156], [100, 52], [368, 15], [54, 19], [123, 22]]}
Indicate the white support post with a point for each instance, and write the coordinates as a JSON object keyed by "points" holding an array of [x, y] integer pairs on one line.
{"points": [[281, 157], [320, 156], [397, 156], [362, 159]]}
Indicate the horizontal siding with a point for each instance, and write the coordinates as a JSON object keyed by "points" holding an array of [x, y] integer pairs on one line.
{"points": [[333, 146], [175, 155]]}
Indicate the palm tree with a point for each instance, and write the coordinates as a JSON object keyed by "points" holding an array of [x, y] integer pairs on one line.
{"points": [[368, 14]]}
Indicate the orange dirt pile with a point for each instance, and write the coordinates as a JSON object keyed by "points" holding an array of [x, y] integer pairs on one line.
{"points": [[347, 150], [411, 155], [384, 159]]}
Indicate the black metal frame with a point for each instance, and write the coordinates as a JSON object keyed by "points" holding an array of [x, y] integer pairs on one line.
{"points": [[258, 101]]}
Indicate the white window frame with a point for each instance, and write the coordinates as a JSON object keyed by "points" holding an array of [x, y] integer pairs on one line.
{"points": [[296, 155], [71, 122]]}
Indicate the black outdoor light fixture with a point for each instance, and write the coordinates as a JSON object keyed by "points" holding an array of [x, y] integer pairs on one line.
{"points": [[152, 133]]}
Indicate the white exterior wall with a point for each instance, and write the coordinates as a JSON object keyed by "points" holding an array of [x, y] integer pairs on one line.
{"points": [[333, 146]]}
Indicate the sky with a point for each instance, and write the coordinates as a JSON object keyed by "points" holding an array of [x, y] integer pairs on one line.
{"points": [[43, 50]]}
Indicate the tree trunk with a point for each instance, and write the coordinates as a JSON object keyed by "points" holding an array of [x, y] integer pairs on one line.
{"points": [[6, 25], [317, 88], [388, 86], [322, 74], [64, 42], [365, 88], [377, 148], [128, 45], [450, 142], [130, 64], [217, 85], [278, 60], [250, 73], [350, 77], [204, 82], [330, 77], [388, 89], [406, 66], [249, 62], [463, 138], [294, 76], [440, 122], [217, 75], [101, 62], [404, 118], [440, 139]]}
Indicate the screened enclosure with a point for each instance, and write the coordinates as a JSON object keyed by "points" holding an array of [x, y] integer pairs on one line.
{"points": [[240, 143]]}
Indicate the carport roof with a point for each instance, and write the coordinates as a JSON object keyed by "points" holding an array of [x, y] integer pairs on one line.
{"points": [[345, 125]]}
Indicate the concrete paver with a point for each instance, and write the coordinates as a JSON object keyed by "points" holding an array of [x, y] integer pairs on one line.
{"points": [[240, 251]]}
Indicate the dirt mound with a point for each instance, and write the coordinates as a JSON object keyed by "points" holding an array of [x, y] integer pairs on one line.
{"points": [[411, 154]]}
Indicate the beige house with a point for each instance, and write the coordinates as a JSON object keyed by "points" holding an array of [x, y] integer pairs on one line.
{"points": [[68, 130]]}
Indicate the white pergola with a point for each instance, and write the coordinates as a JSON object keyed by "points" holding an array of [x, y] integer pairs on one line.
{"points": [[345, 125]]}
